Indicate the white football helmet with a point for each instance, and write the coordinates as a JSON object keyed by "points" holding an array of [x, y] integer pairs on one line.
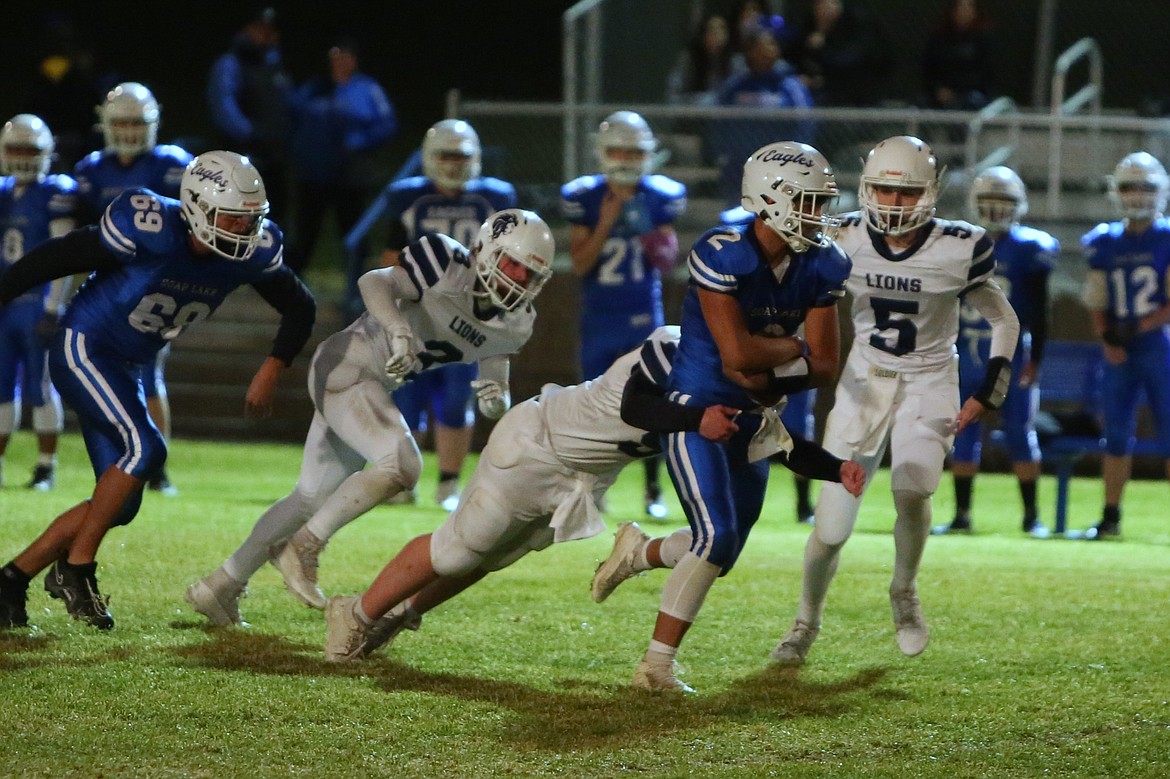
{"points": [[129, 119], [627, 132], [998, 198], [1139, 186], [791, 186], [451, 153], [26, 148], [522, 237], [224, 184], [901, 162]]}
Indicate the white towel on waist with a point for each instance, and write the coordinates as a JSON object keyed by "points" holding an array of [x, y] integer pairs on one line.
{"points": [[577, 516]]}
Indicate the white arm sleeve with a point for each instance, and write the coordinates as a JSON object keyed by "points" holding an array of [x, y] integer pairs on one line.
{"points": [[989, 300], [381, 290], [1095, 295]]}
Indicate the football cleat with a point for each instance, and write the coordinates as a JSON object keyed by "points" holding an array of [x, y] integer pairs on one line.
{"points": [[162, 483], [619, 566], [403, 498], [447, 494], [297, 562], [1035, 528], [346, 637], [960, 524], [13, 613], [659, 677], [1102, 530], [655, 508], [44, 478], [791, 651], [217, 597], [387, 627], [910, 628], [77, 586]]}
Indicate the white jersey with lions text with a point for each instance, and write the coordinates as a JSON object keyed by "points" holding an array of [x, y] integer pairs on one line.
{"points": [[906, 303], [442, 316]]}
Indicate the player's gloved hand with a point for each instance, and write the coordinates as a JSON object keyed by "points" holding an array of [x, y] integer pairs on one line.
{"points": [[1121, 332], [45, 328], [402, 355], [491, 397]]}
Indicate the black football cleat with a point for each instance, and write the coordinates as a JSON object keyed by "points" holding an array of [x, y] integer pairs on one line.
{"points": [[43, 478], [77, 586], [12, 607]]}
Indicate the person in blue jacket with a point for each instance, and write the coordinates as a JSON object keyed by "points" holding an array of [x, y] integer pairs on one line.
{"points": [[339, 120]]}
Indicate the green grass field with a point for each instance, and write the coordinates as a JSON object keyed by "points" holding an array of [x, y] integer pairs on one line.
{"points": [[1047, 658]]}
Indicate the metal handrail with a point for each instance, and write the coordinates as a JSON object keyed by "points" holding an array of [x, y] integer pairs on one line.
{"points": [[569, 64], [1000, 154], [1088, 95]]}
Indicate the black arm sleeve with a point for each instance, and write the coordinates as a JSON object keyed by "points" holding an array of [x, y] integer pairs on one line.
{"points": [[1038, 297], [285, 292], [79, 251], [812, 461], [645, 406]]}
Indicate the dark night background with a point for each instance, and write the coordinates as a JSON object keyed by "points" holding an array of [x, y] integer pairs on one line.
{"points": [[416, 50]]}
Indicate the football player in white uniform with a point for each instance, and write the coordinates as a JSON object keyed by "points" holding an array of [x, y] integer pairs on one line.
{"points": [[442, 303], [545, 467], [900, 382]]}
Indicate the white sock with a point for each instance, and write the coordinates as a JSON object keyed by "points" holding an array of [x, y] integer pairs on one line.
{"points": [[45, 458], [281, 520], [660, 653], [360, 614]]}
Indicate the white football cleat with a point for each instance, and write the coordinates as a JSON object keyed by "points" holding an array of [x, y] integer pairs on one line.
{"points": [[447, 494], [793, 648], [910, 627], [346, 637], [217, 597], [657, 677], [297, 563], [403, 498], [619, 566]]}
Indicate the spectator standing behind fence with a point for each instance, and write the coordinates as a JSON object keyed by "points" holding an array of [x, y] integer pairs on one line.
{"points": [[1024, 258], [1126, 294], [752, 16], [34, 207], [707, 62], [451, 198], [621, 242], [129, 118], [248, 94], [340, 119], [769, 82], [840, 53], [959, 64]]}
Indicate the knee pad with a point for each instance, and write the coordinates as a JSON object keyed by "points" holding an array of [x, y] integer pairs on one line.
{"points": [[836, 514], [9, 417], [402, 466], [450, 554], [687, 587], [49, 418]]}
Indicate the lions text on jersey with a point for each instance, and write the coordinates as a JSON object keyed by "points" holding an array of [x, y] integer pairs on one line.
{"points": [[905, 306]]}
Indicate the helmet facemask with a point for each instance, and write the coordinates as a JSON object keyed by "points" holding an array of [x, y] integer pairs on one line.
{"points": [[509, 240], [451, 154], [129, 120], [1139, 187], [625, 148], [26, 148], [224, 203]]}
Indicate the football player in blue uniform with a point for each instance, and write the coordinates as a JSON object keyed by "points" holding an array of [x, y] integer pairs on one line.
{"points": [[157, 266], [752, 287], [132, 157], [450, 198], [34, 206], [1024, 258], [1126, 294], [622, 241], [798, 415]]}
